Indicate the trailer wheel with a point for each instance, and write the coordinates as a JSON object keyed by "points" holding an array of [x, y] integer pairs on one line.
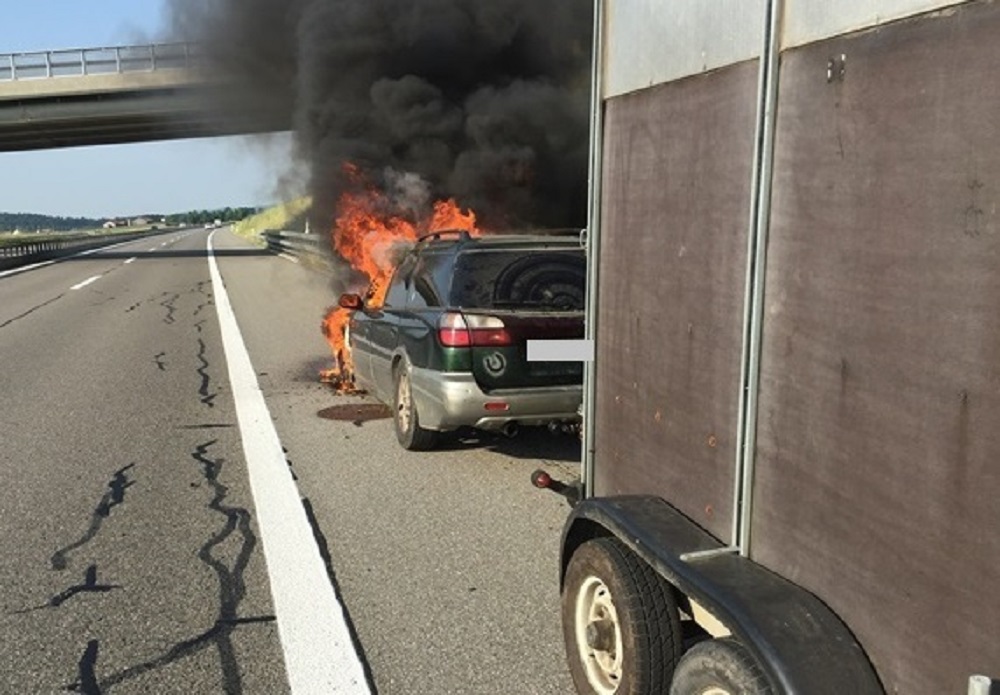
{"points": [[719, 667], [620, 622], [409, 433]]}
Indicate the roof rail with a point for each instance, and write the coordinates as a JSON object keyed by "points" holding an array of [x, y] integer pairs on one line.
{"points": [[558, 231], [462, 235]]}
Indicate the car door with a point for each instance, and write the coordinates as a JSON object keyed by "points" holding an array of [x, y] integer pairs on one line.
{"points": [[356, 337], [383, 330]]}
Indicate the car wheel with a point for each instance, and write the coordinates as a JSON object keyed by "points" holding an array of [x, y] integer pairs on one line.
{"points": [[410, 434], [620, 622], [719, 667]]}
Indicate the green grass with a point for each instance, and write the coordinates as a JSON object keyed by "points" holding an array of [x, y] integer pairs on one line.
{"points": [[278, 217]]}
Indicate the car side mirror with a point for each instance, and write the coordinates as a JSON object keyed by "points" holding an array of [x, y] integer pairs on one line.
{"points": [[351, 301]]}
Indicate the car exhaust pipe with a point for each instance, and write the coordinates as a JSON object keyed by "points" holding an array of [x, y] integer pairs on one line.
{"points": [[557, 427], [510, 429]]}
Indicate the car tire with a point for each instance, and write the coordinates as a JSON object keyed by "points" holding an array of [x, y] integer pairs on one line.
{"points": [[620, 622], [722, 666], [409, 433]]}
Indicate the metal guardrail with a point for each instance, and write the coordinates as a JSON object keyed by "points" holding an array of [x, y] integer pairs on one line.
{"points": [[313, 249], [77, 62], [26, 253]]}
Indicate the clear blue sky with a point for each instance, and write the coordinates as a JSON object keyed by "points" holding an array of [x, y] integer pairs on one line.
{"points": [[116, 180]]}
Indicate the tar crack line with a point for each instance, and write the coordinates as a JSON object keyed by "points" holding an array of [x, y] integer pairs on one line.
{"points": [[87, 683], [232, 589], [112, 498], [89, 586], [208, 296], [168, 304], [31, 310], [206, 397]]}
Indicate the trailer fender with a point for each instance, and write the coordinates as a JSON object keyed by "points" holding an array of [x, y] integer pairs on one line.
{"points": [[798, 641]]}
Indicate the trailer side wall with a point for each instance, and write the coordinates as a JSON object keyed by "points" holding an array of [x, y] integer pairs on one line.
{"points": [[677, 164], [879, 428]]}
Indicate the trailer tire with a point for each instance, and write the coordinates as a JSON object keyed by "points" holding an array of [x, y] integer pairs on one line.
{"points": [[620, 622], [405, 419], [721, 667]]}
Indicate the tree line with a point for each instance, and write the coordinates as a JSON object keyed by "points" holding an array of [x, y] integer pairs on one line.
{"points": [[205, 216], [33, 222]]}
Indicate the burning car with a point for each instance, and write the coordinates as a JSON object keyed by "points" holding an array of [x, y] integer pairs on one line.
{"points": [[447, 348]]}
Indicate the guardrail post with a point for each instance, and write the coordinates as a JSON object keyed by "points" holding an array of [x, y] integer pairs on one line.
{"points": [[83, 61], [48, 63], [118, 59], [152, 57], [13, 67]]}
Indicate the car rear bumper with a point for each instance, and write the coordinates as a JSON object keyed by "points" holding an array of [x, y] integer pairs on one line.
{"points": [[446, 401]]}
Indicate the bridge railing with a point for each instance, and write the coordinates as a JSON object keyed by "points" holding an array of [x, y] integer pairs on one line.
{"points": [[97, 61]]}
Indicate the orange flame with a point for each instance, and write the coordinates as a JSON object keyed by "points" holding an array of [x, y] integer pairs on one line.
{"points": [[367, 231]]}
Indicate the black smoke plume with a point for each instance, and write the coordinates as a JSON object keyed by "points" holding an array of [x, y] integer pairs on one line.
{"points": [[485, 100]]}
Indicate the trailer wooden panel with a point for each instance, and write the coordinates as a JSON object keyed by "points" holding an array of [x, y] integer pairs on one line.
{"points": [[677, 163], [879, 425]]}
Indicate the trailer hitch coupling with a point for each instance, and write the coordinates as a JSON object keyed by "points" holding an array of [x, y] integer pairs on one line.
{"points": [[573, 492]]}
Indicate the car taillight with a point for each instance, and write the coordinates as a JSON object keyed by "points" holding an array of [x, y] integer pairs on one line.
{"points": [[473, 330], [488, 331], [453, 331]]}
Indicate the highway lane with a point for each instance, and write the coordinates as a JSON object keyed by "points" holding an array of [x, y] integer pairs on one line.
{"points": [[119, 414], [131, 559]]}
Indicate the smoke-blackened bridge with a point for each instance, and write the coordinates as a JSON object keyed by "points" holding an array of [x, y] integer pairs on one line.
{"points": [[123, 94]]}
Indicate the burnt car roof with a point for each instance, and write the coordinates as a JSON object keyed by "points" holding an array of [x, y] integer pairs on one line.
{"points": [[461, 240]]}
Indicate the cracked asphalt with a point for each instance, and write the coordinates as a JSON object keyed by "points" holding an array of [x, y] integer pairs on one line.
{"points": [[131, 560]]}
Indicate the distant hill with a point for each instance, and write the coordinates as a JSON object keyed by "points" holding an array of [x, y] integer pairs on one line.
{"points": [[31, 222]]}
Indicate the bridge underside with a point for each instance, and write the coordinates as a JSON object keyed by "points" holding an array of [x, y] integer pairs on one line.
{"points": [[122, 118], [46, 114]]}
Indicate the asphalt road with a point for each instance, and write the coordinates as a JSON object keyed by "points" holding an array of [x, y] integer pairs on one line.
{"points": [[133, 550]]}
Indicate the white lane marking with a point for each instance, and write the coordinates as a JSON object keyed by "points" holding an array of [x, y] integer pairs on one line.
{"points": [[319, 654], [25, 268], [130, 260], [293, 259], [86, 282]]}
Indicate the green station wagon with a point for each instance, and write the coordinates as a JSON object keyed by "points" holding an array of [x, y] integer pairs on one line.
{"points": [[448, 348]]}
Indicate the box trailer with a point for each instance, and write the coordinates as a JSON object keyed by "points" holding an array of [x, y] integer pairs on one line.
{"points": [[792, 424]]}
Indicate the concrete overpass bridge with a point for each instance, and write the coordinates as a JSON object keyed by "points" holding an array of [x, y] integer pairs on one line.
{"points": [[121, 94]]}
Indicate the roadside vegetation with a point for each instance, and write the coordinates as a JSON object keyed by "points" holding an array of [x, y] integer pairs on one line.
{"points": [[287, 216]]}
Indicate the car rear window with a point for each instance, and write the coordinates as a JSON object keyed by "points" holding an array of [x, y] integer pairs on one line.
{"points": [[540, 279]]}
